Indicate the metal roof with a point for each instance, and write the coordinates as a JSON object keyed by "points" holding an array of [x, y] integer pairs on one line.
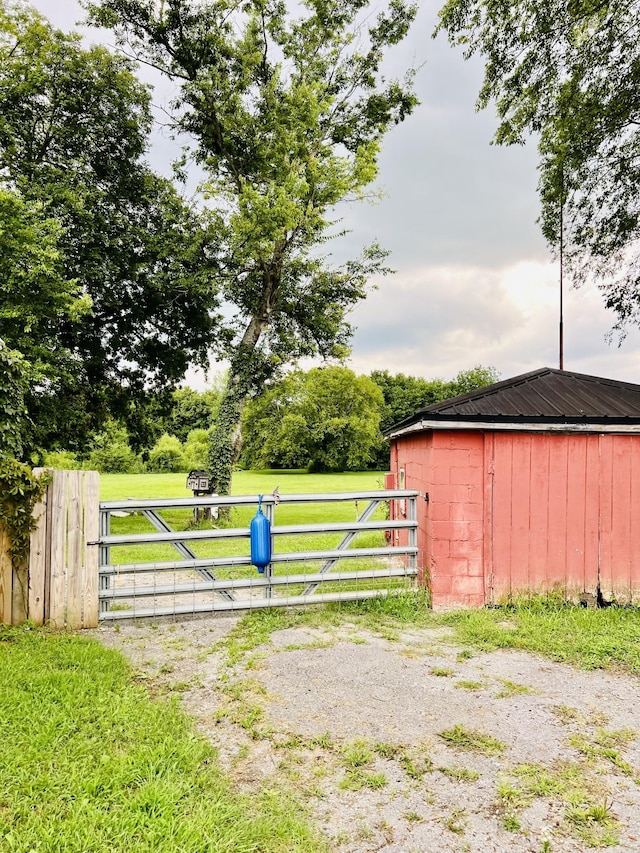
{"points": [[542, 396]]}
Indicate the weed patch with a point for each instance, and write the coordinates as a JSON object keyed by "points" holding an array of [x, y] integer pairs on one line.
{"points": [[460, 774], [471, 740], [605, 746], [586, 813], [607, 638], [441, 671], [511, 688]]}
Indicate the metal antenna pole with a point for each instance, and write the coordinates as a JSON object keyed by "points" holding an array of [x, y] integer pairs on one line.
{"points": [[561, 327]]}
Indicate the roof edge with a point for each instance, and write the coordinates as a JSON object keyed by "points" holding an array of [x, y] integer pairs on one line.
{"points": [[583, 427]]}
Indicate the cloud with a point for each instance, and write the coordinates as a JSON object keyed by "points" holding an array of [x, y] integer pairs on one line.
{"points": [[436, 321], [475, 284]]}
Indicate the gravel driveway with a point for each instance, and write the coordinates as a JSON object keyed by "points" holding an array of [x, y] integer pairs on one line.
{"points": [[403, 742]]}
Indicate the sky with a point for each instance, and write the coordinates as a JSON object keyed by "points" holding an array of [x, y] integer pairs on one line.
{"points": [[474, 283]]}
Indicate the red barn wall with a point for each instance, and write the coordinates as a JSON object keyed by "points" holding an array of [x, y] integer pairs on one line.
{"points": [[513, 512]]}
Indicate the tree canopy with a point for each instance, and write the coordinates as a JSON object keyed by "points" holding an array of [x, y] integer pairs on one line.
{"points": [[568, 72], [404, 395], [326, 420], [286, 109], [116, 289], [12, 409]]}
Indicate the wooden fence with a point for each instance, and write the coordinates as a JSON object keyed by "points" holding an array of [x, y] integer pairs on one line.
{"points": [[59, 586]]}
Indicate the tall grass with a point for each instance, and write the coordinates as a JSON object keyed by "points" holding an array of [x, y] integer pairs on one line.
{"points": [[88, 762], [606, 638]]}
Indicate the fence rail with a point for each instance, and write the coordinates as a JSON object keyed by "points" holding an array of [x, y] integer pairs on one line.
{"points": [[201, 583]]}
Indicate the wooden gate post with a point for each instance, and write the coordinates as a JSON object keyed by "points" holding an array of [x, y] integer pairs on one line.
{"points": [[63, 567]]}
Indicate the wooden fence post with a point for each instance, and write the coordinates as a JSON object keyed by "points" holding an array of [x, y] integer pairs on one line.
{"points": [[91, 534], [39, 559], [63, 568]]}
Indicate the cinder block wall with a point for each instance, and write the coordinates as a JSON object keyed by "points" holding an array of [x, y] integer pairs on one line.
{"points": [[449, 467]]}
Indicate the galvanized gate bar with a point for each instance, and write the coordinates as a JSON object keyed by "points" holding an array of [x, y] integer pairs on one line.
{"points": [[245, 604], [175, 537], [346, 541], [255, 583], [182, 549], [161, 525], [293, 557], [268, 583], [248, 500]]}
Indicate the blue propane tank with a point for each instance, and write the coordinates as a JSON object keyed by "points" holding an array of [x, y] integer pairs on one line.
{"points": [[260, 534]]}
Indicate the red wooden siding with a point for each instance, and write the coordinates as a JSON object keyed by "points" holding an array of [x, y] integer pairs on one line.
{"points": [[542, 516], [563, 510], [525, 512]]}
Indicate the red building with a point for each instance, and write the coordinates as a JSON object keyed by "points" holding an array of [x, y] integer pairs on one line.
{"points": [[530, 485]]}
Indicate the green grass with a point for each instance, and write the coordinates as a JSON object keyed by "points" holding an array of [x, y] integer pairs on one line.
{"points": [[122, 486], [441, 671], [581, 795], [512, 688], [472, 740], [460, 774], [88, 762], [467, 684], [606, 638]]}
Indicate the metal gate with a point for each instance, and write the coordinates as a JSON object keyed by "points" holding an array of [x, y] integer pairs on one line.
{"points": [[186, 564]]}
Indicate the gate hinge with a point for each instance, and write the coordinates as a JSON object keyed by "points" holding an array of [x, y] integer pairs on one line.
{"points": [[426, 497]]}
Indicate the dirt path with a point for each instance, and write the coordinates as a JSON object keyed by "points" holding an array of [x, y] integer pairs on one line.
{"points": [[380, 735]]}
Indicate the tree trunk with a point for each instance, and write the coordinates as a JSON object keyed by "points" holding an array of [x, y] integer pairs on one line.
{"points": [[226, 439]]}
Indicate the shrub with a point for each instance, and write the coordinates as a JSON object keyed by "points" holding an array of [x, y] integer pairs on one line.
{"points": [[63, 460], [196, 449], [115, 459], [167, 455], [111, 453]]}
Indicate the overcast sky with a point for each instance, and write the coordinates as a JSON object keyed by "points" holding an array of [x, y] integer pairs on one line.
{"points": [[475, 282]]}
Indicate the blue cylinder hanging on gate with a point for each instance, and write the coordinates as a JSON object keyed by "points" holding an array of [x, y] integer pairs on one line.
{"points": [[260, 535]]}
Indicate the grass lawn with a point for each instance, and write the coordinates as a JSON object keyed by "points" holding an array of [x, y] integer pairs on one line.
{"points": [[89, 763], [607, 638], [121, 486]]}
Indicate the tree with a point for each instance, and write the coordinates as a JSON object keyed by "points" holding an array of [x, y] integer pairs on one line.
{"points": [[470, 380], [568, 72], [35, 300], [286, 112], [404, 395], [74, 125], [325, 420], [192, 410], [12, 408]]}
